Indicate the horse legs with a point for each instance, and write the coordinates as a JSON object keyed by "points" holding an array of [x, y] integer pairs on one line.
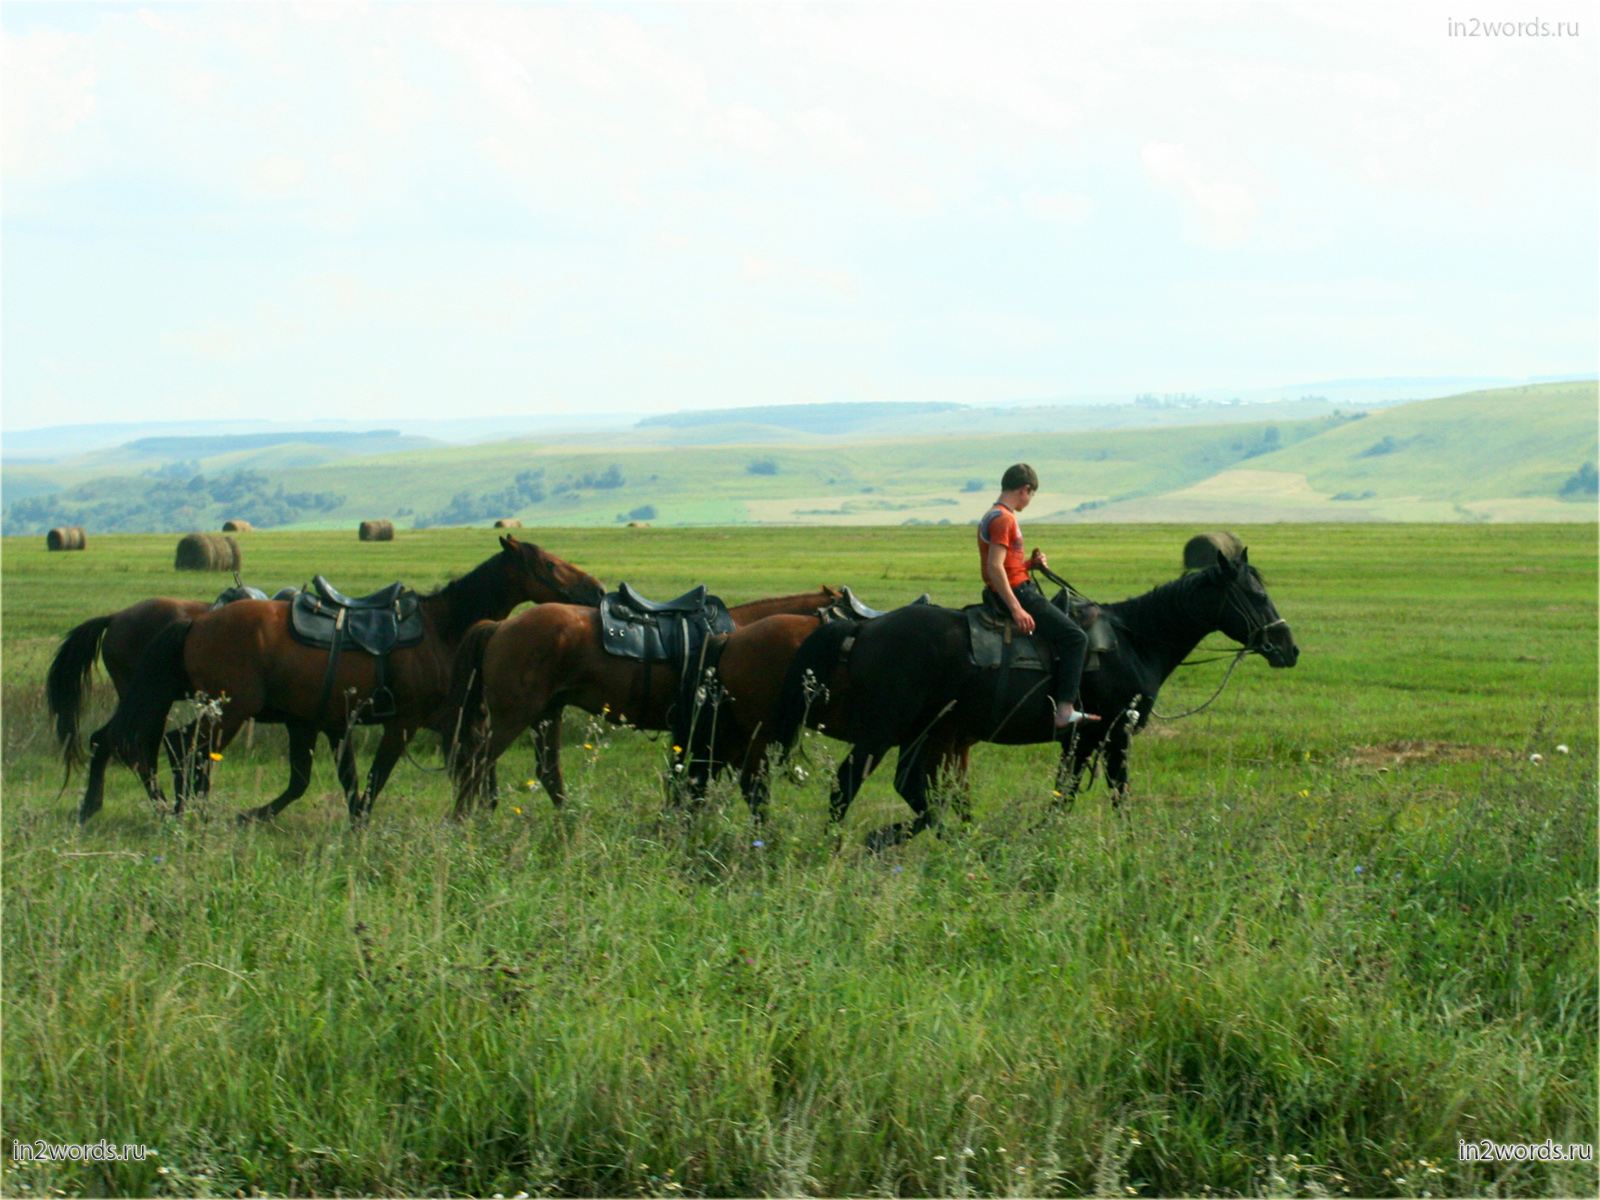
{"points": [[1117, 743], [302, 744], [389, 751], [547, 745], [853, 772], [94, 791], [343, 748]]}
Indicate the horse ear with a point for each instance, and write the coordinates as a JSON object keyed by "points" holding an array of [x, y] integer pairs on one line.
{"points": [[507, 542], [1244, 556], [1224, 563]]}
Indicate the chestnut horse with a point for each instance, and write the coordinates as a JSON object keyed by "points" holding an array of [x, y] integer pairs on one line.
{"points": [[118, 640], [522, 672], [244, 656]]}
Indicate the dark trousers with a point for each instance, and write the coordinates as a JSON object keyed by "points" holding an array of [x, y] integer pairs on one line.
{"points": [[1062, 633]]}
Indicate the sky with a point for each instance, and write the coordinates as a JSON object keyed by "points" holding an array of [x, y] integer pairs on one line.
{"points": [[408, 211]]}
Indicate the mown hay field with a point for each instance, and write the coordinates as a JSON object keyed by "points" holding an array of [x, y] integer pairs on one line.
{"points": [[1346, 923]]}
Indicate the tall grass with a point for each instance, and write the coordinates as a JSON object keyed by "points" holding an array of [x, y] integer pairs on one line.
{"points": [[1240, 989], [1345, 923]]}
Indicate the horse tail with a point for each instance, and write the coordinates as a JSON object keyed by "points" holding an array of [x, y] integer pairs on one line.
{"points": [[66, 686], [812, 663], [160, 681], [465, 732], [694, 712]]}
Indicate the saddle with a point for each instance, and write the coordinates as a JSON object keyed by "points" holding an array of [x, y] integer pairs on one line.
{"points": [[650, 631], [388, 619], [238, 591], [997, 642], [849, 608]]}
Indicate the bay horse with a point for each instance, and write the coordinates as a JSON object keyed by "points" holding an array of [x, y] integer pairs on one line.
{"points": [[244, 656], [520, 673], [118, 641], [909, 681]]}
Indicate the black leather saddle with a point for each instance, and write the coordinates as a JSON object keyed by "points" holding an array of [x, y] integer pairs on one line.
{"points": [[849, 608], [389, 619], [997, 642], [691, 601], [651, 631], [384, 597]]}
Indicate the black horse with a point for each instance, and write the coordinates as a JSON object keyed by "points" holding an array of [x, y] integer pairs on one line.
{"points": [[909, 681]]}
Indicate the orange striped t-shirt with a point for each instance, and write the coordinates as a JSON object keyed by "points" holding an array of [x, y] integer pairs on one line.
{"points": [[999, 524]]}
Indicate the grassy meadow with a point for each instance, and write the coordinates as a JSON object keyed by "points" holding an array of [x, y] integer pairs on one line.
{"points": [[1346, 922]]}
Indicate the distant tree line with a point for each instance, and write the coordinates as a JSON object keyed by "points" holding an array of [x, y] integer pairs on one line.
{"points": [[527, 488], [1583, 482], [174, 501]]}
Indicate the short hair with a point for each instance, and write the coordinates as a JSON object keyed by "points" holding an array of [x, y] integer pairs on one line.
{"points": [[1017, 476]]}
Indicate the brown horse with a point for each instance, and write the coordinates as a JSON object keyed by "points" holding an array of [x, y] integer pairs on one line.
{"points": [[521, 673], [118, 641], [723, 718], [243, 657]]}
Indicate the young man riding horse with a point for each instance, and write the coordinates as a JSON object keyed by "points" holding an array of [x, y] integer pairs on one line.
{"points": [[1009, 588]]}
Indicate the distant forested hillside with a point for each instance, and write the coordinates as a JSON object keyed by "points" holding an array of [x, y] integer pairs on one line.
{"points": [[1514, 454]]}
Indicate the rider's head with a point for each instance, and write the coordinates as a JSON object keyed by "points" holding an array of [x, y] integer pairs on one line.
{"points": [[1019, 482]]}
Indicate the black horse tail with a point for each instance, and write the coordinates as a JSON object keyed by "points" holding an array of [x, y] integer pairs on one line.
{"points": [[694, 713], [134, 732], [67, 684], [812, 664], [464, 734]]}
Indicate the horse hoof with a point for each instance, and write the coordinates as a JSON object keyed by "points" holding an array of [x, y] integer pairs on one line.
{"points": [[888, 837]]}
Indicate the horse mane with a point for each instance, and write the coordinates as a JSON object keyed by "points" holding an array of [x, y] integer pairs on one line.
{"points": [[1148, 609], [469, 598]]}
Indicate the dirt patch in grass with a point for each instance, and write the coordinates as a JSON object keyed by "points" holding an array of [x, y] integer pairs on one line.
{"points": [[1409, 753]]}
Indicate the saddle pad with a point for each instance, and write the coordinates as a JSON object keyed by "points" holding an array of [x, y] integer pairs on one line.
{"points": [[659, 634], [312, 621]]}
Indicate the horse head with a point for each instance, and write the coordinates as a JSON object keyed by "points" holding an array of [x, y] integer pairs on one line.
{"points": [[1246, 613], [548, 579]]}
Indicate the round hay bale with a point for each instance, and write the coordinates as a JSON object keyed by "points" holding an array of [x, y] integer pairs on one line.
{"points": [[237, 527], [638, 524], [207, 552], [70, 537], [377, 531], [1200, 551], [508, 523]]}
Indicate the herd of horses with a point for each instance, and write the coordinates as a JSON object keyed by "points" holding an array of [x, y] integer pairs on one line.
{"points": [[482, 674]]}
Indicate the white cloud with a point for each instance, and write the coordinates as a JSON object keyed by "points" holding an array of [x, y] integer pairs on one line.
{"points": [[1224, 210], [1069, 207], [49, 80]]}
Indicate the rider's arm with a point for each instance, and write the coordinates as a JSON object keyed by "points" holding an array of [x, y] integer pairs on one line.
{"points": [[1002, 587]]}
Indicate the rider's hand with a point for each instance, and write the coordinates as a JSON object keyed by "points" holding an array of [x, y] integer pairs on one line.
{"points": [[1038, 560], [1023, 618]]}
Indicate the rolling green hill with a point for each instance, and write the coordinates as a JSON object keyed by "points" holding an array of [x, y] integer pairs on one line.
{"points": [[1514, 454]]}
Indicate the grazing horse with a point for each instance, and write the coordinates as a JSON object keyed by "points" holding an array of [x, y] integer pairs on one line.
{"points": [[909, 681], [524, 671], [118, 640], [244, 655]]}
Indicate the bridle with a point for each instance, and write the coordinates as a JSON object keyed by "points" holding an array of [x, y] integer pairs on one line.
{"points": [[1256, 641]]}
